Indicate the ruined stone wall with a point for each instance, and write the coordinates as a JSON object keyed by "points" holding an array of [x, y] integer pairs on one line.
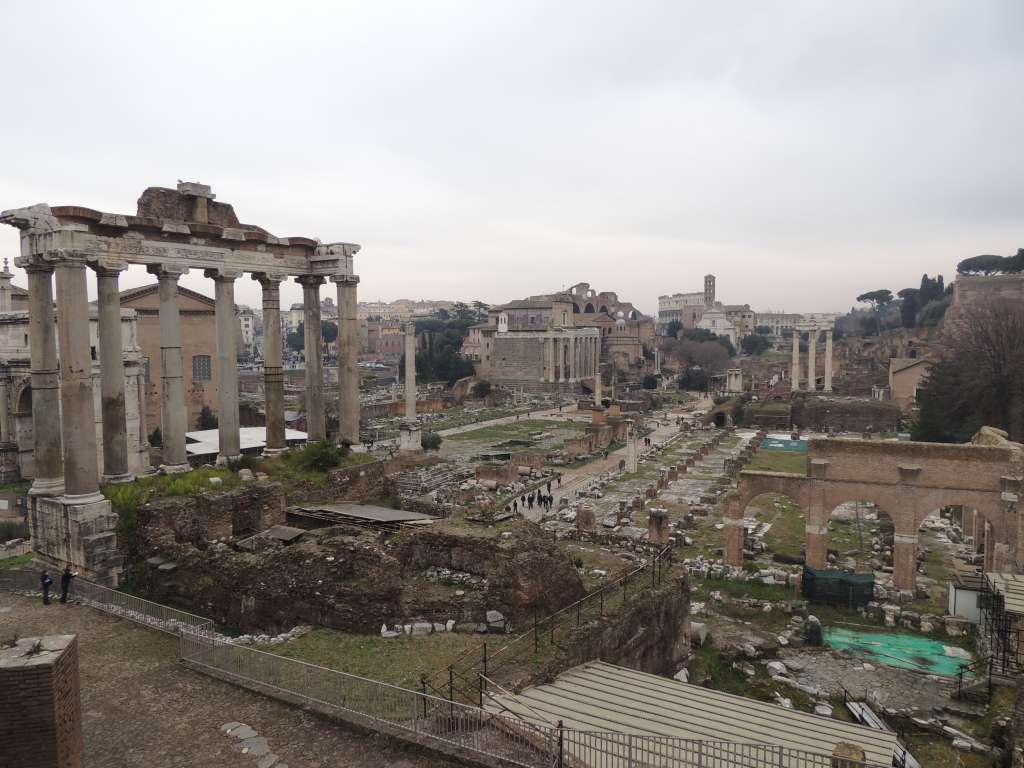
{"points": [[651, 635], [528, 573], [845, 414], [977, 292], [200, 519]]}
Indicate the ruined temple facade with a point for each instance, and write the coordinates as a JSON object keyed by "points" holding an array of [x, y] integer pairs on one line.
{"points": [[172, 232], [553, 342]]}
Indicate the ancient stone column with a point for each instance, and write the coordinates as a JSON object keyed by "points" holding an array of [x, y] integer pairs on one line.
{"points": [[794, 367], [828, 360], [560, 358], [348, 357], [229, 440], [812, 343], [597, 387], [5, 422], [733, 541], [78, 417], [47, 452], [316, 423], [172, 387], [410, 370], [904, 561], [816, 553], [273, 377], [549, 359], [572, 359], [112, 395]]}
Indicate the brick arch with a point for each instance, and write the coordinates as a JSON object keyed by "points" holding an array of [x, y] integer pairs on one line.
{"points": [[751, 485]]}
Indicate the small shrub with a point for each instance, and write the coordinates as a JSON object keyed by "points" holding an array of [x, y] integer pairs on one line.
{"points": [[482, 389], [156, 438], [650, 381], [13, 529], [245, 461], [207, 419], [320, 456], [431, 441]]}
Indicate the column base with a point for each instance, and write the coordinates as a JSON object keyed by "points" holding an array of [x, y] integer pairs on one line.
{"points": [[47, 486], [222, 461], [827, 389], [125, 477], [80, 530], [410, 437], [269, 452], [171, 469]]}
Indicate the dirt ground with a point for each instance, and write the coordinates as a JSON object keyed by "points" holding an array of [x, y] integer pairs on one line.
{"points": [[140, 708]]}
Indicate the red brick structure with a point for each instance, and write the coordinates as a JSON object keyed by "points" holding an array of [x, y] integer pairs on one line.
{"points": [[40, 709], [908, 481]]}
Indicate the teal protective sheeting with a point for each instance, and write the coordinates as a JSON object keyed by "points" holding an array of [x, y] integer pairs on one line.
{"points": [[776, 444], [839, 588], [921, 654]]}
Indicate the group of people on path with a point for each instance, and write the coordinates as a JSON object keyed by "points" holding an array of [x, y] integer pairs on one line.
{"points": [[527, 501], [46, 581]]}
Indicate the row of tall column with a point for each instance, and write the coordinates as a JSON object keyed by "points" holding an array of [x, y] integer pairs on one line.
{"points": [[62, 395], [571, 358], [812, 345]]}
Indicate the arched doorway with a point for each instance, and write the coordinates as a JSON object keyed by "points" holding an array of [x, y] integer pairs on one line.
{"points": [[775, 526]]}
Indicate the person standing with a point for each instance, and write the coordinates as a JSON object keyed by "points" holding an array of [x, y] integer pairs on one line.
{"points": [[65, 582], [46, 581]]}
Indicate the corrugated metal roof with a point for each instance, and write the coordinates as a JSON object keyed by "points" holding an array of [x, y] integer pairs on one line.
{"points": [[602, 697], [1011, 587]]}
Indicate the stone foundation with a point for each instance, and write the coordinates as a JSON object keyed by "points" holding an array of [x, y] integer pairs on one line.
{"points": [[82, 533]]}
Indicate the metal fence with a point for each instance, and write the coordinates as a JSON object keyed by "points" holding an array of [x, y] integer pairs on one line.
{"points": [[494, 736], [137, 609], [465, 679]]}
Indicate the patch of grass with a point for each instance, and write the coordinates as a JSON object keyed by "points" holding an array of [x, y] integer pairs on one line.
{"points": [[936, 752], [788, 532], [516, 430], [707, 664], [400, 661], [15, 562], [793, 462]]}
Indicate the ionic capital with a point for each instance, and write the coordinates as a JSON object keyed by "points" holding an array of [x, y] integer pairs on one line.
{"points": [[310, 281], [220, 274], [345, 279], [167, 271], [107, 267], [269, 281]]}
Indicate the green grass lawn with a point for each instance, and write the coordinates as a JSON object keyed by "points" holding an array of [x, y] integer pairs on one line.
{"points": [[793, 462], [400, 661], [515, 430], [15, 562], [787, 533]]}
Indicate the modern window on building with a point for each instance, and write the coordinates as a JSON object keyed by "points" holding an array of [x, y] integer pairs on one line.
{"points": [[201, 368]]}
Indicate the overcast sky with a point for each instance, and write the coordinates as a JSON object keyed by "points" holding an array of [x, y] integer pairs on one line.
{"points": [[803, 152]]}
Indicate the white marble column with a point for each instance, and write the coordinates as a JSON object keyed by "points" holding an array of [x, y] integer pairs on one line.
{"points": [[172, 386], [572, 359], [348, 358], [78, 415], [828, 360], [794, 367], [229, 445], [112, 392], [560, 357], [812, 344], [316, 420], [273, 376], [47, 452], [410, 370], [548, 373]]}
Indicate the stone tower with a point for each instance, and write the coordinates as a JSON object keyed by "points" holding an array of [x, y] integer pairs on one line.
{"points": [[709, 290]]}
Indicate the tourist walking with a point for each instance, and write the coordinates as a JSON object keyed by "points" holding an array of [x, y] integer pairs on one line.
{"points": [[46, 581], [65, 582]]}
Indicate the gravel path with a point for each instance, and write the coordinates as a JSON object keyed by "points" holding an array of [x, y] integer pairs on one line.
{"points": [[141, 708]]}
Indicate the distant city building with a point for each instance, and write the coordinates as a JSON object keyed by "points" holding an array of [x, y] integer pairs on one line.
{"points": [[718, 322], [687, 308], [400, 309]]}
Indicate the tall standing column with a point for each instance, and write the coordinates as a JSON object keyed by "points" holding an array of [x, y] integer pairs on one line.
{"points": [[348, 359], [172, 385], [410, 370], [572, 359], [273, 377], [47, 457], [112, 394], [560, 358], [78, 416], [229, 441], [549, 360], [812, 343], [828, 360], [794, 367], [316, 420]]}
